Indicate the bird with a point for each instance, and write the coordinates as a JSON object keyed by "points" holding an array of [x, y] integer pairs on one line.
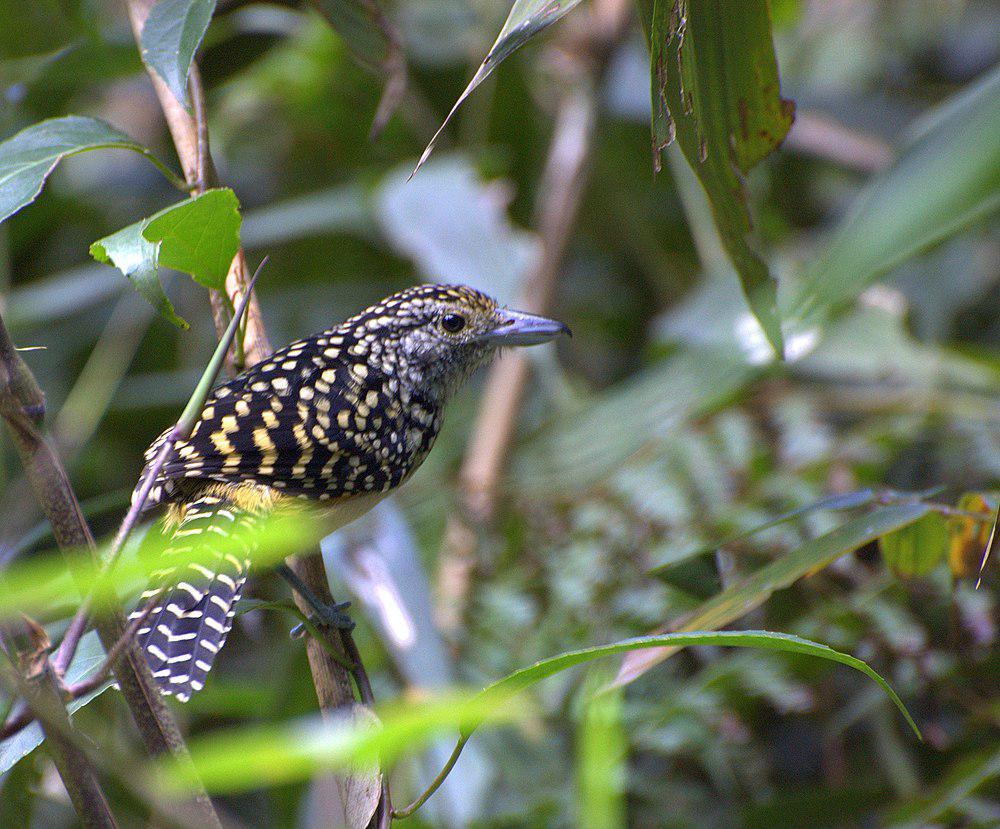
{"points": [[339, 419]]}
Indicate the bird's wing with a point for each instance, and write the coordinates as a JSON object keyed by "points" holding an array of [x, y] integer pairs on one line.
{"points": [[294, 422]]}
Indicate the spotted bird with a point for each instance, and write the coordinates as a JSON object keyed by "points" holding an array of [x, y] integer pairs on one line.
{"points": [[340, 418]]}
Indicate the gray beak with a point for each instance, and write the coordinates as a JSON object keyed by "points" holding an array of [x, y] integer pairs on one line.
{"points": [[519, 328]]}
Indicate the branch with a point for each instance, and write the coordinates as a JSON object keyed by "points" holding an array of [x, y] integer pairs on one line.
{"points": [[190, 136], [40, 689], [22, 407]]}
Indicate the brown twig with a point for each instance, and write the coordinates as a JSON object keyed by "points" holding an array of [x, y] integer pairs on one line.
{"points": [[40, 690], [21, 406], [189, 132]]}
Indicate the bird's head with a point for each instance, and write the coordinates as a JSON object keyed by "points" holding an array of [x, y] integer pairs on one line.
{"points": [[435, 336]]}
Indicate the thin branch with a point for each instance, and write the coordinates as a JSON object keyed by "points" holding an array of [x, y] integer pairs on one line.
{"points": [[181, 430], [41, 692]]}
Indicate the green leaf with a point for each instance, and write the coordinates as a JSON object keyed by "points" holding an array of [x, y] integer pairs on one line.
{"points": [[714, 85], [753, 591], [946, 178], [916, 549], [171, 36], [128, 251], [88, 658], [847, 500], [526, 19], [27, 159], [199, 236], [252, 758], [602, 748]]}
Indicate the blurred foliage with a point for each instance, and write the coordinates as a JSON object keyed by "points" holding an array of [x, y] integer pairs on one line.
{"points": [[659, 429]]}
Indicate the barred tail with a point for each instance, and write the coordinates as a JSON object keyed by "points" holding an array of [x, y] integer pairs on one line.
{"points": [[191, 618]]}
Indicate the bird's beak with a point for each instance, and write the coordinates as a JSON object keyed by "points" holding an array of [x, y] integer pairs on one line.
{"points": [[519, 328]]}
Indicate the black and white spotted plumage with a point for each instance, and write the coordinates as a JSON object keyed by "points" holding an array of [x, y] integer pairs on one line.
{"points": [[340, 418]]}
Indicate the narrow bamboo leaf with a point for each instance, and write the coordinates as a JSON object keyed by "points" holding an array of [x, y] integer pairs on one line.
{"points": [[945, 179], [89, 657], [170, 38], [961, 781], [512, 684], [199, 236], [251, 758], [752, 592], [27, 159], [847, 500], [526, 19], [714, 83], [128, 251], [918, 548]]}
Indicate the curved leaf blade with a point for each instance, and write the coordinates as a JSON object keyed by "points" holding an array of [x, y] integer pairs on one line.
{"points": [[526, 19], [752, 592], [27, 158], [251, 758], [945, 179], [715, 89], [171, 36]]}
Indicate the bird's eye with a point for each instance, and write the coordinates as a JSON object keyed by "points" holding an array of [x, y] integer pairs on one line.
{"points": [[453, 323]]}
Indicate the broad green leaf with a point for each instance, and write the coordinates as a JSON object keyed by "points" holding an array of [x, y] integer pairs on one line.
{"points": [[526, 19], [199, 236], [714, 85], [170, 38], [251, 758], [128, 251], [88, 658], [27, 159], [945, 179], [752, 592], [918, 548], [848, 500]]}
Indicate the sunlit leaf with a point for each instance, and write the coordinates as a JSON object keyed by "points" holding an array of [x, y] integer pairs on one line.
{"points": [[171, 36], [753, 591], [199, 236], [714, 83], [526, 19], [27, 159], [916, 549], [945, 179], [255, 757]]}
